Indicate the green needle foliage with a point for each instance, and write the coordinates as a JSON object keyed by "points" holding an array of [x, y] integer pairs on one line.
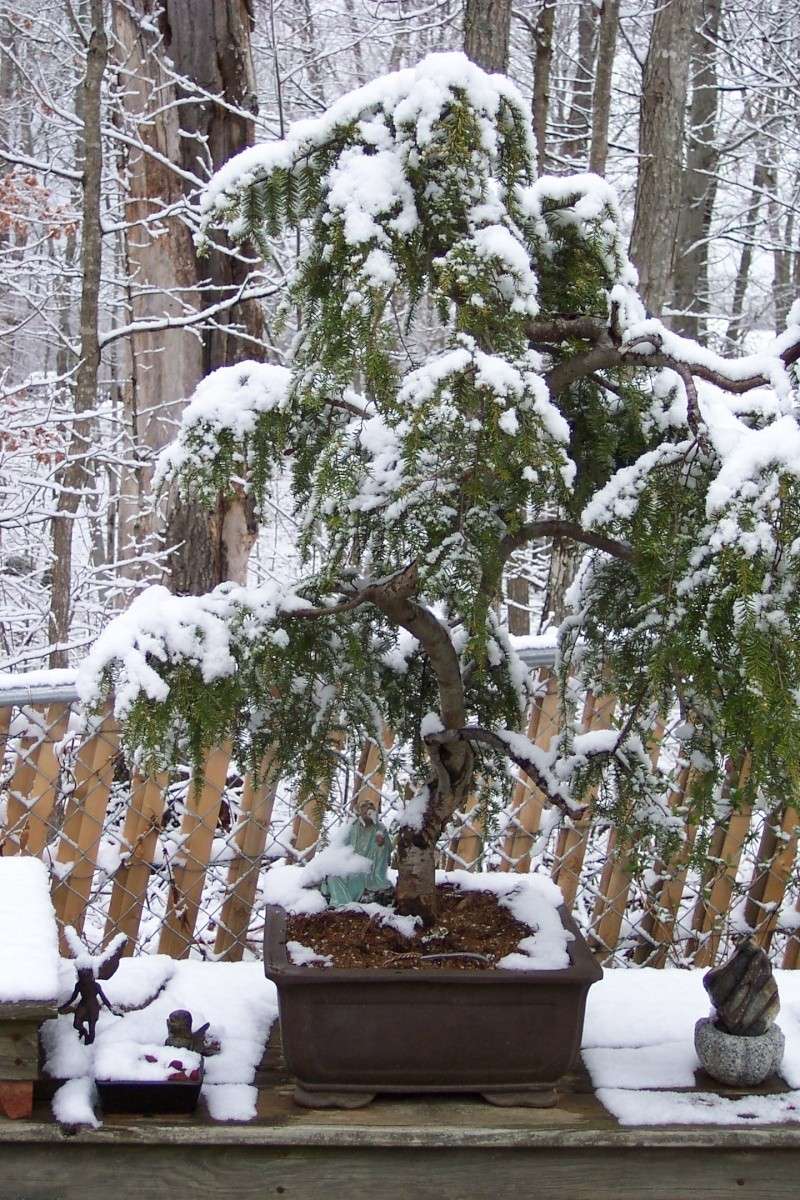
{"points": [[431, 414]]}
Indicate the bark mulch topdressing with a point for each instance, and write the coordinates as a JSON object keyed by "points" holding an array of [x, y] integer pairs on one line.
{"points": [[468, 923]]}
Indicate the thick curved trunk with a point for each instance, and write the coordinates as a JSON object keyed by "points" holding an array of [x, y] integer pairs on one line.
{"points": [[447, 790]]}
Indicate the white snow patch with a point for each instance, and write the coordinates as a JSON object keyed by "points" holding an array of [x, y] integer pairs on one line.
{"points": [[698, 1108], [236, 999], [73, 1103], [29, 961], [304, 956], [231, 1101], [140, 1062], [533, 900]]}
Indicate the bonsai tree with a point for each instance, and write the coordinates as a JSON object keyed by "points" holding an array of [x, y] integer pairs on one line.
{"points": [[473, 371]]}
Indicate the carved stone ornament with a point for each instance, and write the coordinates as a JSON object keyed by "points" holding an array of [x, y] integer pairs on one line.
{"points": [[740, 1045], [744, 992]]}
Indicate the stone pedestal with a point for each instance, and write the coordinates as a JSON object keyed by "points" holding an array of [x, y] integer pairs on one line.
{"points": [[735, 1060]]}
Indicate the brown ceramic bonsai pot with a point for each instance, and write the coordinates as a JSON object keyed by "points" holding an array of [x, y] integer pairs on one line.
{"points": [[348, 1034]]}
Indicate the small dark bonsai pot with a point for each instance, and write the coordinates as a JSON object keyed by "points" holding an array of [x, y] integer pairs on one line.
{"points": [[149, 1096], [349, 1034]]}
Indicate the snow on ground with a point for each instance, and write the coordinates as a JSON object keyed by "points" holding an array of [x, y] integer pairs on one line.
{"points": [[638, 1045], [235, 998]]}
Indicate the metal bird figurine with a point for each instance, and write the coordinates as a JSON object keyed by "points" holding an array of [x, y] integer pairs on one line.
{"points": [[179, 1034]]}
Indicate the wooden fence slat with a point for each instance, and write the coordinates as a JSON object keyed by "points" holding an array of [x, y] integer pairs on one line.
{"points": [[528, 800], [197, 831], [83, 826], [20, 783], [778, 874], [37, 830], [598, 713], [615, 882], [522, 787], [466, 847], [140, 834], [370, 774], [312, 805], [249, 839], [714, 907], [657, 928]]}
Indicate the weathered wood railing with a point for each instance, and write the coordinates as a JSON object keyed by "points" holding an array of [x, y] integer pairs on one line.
{"points": [[178, 869]]}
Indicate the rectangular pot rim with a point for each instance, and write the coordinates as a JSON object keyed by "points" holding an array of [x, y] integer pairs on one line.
{"points": [[151, 1083], [583, 968]]}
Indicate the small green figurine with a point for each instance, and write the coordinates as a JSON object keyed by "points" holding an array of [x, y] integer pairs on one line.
{"points": [[368, 837]]}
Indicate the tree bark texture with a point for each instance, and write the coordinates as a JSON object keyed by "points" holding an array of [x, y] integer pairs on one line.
{"points": [[782, 238], [576, 139], [75, 476], [542, 69], [159, 369], [699, 184], [661, 139], [487, 24], [448, 789], [208, 45], [519, 618], [565, 558], [736, 325], [601, 99]]}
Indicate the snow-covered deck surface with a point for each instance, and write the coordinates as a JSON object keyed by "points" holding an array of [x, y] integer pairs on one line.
{"points": [[632, 1120], [638, 1058]]}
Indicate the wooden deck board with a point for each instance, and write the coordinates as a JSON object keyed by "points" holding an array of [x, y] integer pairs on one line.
{"points": [[450, 1157], [431, 1148]]}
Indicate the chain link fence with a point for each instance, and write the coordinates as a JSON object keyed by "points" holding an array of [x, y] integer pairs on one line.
{"points": [[178, 865]]}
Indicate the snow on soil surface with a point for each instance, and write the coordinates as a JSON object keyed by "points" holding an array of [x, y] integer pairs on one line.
{"points": [[638, 1046], [533, 901], [29, 963], [235, 998]]}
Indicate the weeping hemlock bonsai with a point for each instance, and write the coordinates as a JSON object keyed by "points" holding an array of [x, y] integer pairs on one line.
{"points": [[473, 371]]}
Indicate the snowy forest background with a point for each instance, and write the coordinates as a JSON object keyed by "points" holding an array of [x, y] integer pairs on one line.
{"points": [[109, 320]]}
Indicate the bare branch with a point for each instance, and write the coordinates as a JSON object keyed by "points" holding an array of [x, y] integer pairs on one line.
{"points": [[486, 737], [605, 355], [399, 585], [570, 531]]}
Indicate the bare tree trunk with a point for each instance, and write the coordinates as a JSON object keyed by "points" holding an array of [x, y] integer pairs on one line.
{"points": [[575, 144], [75, 476], [158, 369], [736, 324], [519, 618], [542, 67], [487, 24], [208, 46], [700, 185], [565, 558], [781, 239], [661, 137], [601, 100], [415, 890], [209, 42]]}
